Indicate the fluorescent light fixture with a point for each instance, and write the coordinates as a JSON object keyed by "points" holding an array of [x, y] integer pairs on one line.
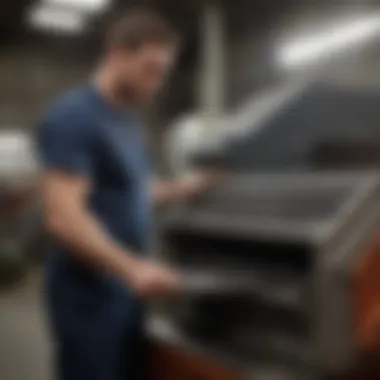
{"points": [[312, 48], [57, 19], [83, 5]]}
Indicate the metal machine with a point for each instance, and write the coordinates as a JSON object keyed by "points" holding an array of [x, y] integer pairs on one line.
{"points": [[281, 269], [281, 275]]}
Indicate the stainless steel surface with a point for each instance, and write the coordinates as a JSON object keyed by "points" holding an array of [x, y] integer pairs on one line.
{"points": [[332, 279], [303, 207], [162, 329], [279, 290], [257, 282]]}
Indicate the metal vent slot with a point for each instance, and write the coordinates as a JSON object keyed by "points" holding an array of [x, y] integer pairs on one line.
{"points": [[216, 318], [271, 345], [195, 251], [307, 204], [280, 290]]}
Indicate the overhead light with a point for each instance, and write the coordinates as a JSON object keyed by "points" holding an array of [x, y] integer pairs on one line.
{"points": [[83, 5], [57, 19], [315, 47]]}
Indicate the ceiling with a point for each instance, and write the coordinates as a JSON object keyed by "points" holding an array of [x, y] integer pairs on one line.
{"points": [[10, 17], [180, 12]]}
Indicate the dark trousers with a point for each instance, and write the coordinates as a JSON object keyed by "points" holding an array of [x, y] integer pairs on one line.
{"points": [[98, 333]]}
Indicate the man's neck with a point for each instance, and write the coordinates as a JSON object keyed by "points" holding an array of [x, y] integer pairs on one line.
{"points": [[108, 88], [104, 82]]}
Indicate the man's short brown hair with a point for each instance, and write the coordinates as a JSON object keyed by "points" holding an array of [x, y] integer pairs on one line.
{"points": [[140, 27]]}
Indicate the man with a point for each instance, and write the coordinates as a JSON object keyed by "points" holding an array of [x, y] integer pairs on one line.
{"points": [[96, 206]]}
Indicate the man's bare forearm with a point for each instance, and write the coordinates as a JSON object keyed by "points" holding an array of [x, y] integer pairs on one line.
{"points": [[166, 191], [79, 230], [177, 190]]}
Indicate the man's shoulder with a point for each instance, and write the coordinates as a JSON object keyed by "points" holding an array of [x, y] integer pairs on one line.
{"points": [[70, 117], [73, 105]]}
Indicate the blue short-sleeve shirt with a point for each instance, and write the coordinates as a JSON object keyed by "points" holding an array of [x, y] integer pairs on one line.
{"points": [[82, 134]]}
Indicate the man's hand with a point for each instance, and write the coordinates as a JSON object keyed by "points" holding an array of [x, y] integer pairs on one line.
{"points": [[64, 201], [164, 192], [150, 280], [197, 183]]}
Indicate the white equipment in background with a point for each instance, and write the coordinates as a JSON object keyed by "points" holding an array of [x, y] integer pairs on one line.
{"points": [[192, 134], [20, 226], [184, 139], [18, 164]]}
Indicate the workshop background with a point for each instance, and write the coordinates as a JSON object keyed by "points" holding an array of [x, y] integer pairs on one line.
{"points": [[244, 65]]}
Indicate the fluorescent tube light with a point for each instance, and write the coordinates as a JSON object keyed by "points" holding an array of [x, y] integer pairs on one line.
{"points": [[315, 47], [82, 5], [57, 19]]}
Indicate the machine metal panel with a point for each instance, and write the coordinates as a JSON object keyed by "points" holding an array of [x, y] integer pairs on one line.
{"points": [[333, 284], [273, 249], [303, 207]]}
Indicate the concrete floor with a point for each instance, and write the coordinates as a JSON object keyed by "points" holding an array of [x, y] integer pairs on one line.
{"points": [[24, 348]]}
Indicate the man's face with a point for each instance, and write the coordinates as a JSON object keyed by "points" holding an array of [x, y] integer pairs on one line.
{"points": [[142, 73]]}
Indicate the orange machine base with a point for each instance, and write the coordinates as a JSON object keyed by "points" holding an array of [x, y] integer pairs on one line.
{"points": [[171, 363]]}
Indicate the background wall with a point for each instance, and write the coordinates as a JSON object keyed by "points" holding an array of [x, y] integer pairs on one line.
{"points": [[30, 78]]}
